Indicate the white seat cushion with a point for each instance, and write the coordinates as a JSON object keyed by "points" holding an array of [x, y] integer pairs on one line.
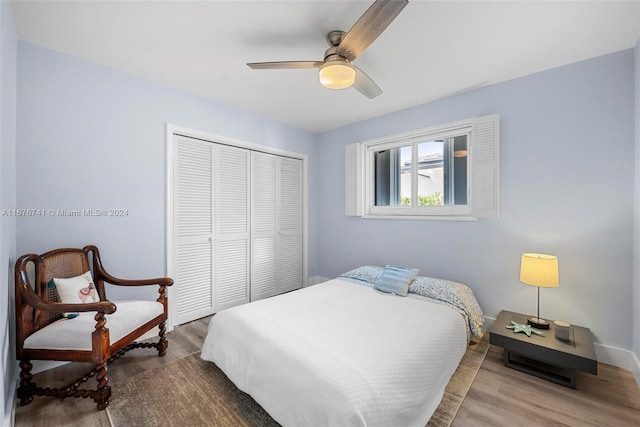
{"points": [[75, 334]]}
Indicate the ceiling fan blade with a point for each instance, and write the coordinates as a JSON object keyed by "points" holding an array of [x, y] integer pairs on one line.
{"points": [[370, 25], [365, 85], [284, 65]]}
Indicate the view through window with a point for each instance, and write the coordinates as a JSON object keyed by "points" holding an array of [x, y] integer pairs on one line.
{"points": [[423, 173]]}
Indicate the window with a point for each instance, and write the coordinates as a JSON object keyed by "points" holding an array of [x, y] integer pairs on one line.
{"points": [[448, 171], [439, 172]]}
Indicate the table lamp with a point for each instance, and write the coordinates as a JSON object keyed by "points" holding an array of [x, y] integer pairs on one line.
{"points": [[539, 270]]}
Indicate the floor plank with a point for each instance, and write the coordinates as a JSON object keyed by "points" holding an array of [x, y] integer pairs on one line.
{"points": [[499, 396], [45, 411]]}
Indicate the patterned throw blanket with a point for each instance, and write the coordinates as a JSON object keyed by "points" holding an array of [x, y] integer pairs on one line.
{"points": [[455, 295]]}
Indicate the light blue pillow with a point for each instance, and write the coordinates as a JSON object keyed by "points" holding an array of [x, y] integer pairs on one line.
{"points": [[395, 280]]}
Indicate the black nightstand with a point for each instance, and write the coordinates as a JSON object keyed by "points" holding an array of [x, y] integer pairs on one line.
{"points": [[543, 355]]}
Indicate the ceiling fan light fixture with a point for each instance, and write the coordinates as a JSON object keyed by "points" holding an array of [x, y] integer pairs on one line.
{"points": [[337, 75]]}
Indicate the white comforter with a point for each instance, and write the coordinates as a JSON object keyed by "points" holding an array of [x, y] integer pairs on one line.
{"points": [[340, 354]]}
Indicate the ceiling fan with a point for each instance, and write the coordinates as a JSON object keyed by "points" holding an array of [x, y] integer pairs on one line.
{"points": [[336, 71]]}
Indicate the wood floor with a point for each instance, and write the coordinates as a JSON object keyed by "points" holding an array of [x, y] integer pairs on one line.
{"points": [[499, 396]]}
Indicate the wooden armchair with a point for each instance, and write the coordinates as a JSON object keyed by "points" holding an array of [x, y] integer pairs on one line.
{"points": [[42, 333]]}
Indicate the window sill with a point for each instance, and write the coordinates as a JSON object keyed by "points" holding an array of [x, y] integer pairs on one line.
{"points": [[422, 217]]}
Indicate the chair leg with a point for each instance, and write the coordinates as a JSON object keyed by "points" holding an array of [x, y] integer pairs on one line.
{"points": [[103, 393], [162, 343], [27, 388]]}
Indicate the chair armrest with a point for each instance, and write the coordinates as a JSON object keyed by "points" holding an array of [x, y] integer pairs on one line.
{"points": [[35, 301], [106, 307], [160, 281], [101, 274]]}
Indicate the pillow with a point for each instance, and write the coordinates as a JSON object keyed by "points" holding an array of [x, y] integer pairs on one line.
{"points": [[51, 287], [366, 273], [76, 290], [454, 294], [395, 280]]}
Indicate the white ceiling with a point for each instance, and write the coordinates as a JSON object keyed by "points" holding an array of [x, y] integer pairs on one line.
{"points": [[432, 50]]}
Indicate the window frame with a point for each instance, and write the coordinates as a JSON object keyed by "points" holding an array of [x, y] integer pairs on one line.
{"points": [[366, 166]]}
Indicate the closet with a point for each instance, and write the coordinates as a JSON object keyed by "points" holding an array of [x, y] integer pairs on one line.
{"points": [[236, 225]]}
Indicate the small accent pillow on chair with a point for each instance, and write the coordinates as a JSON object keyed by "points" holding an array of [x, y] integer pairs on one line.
{"points": [[76, 290], [396, 280]]}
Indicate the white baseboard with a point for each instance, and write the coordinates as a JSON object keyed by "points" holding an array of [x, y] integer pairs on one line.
{"points": [[153, 333], [635, 367], [316, 279], [488, 322], [613, 356], [605, 353], [45, 365]]}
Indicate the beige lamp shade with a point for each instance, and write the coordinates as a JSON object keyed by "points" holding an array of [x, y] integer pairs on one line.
{"points": [[539, 270]]}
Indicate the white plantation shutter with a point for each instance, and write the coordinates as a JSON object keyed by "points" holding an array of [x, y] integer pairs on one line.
{"points": [[290, 218], [193, 231], [232, 226], [485, 191], [264, 225]]}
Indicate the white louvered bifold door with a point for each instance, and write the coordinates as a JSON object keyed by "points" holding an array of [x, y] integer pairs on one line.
{"points": [[193, 228], [231, 255], [290, 199], [264, 225], [237, 226]]}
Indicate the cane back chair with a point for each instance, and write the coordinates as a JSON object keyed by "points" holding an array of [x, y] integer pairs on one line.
{"points": [[43, 333]]}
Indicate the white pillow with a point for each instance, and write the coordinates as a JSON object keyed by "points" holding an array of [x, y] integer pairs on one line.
{"points": [[75, 290]]}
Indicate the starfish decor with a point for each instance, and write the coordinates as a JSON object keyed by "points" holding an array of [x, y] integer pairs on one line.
{"points": [[527, 329]]}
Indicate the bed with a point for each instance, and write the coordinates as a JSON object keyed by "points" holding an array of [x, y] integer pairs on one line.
{"points": [[343, 353]]}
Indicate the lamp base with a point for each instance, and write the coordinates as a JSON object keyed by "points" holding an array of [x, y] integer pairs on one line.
{"points": [[538, 323]]}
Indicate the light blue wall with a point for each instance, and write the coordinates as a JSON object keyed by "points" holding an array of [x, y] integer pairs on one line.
{"points": [[8, 46], [92, 137], [567, 189]]}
